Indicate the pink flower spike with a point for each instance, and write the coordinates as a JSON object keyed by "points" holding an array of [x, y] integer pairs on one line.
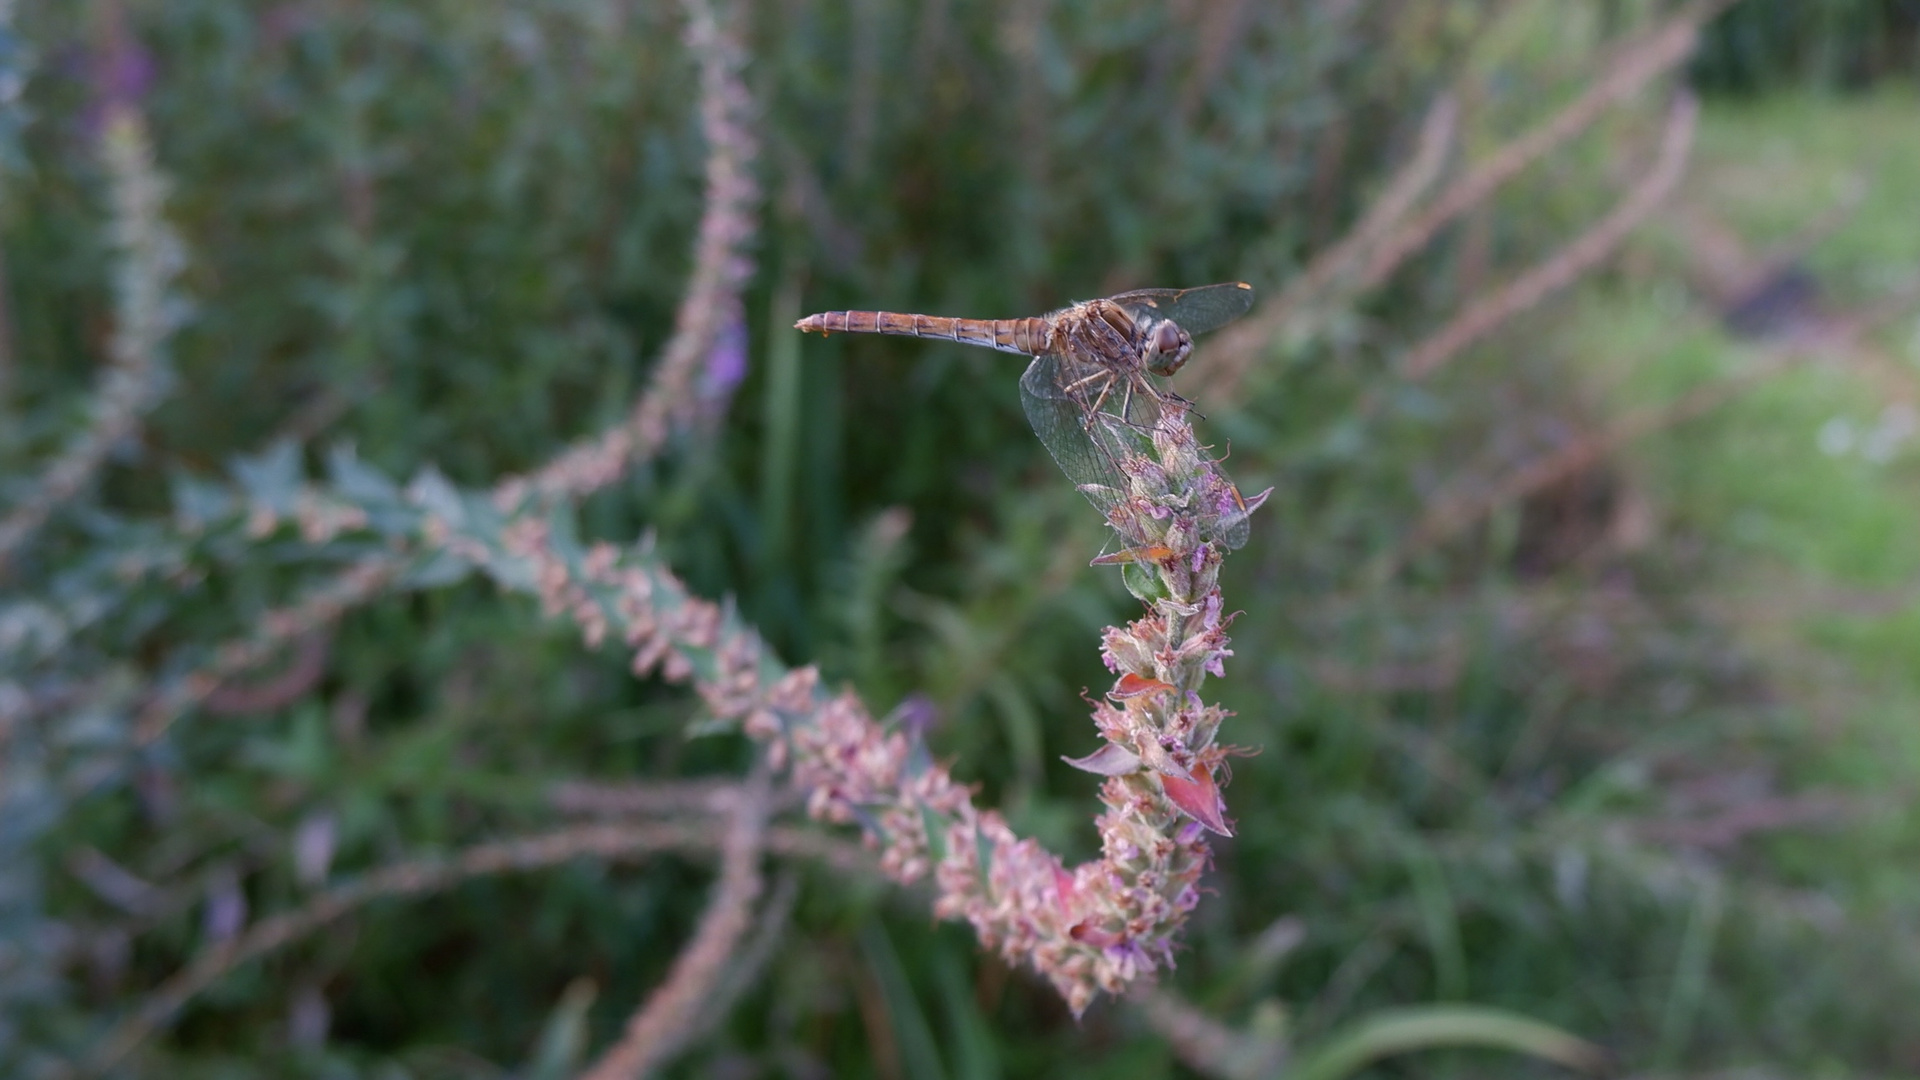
{"points": [[1200, 798]]}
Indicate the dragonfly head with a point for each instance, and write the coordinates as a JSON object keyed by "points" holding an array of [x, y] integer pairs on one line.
{"points": [[1168, 347]]}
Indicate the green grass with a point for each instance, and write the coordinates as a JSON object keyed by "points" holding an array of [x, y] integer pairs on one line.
{"points": [[1806, 489]]}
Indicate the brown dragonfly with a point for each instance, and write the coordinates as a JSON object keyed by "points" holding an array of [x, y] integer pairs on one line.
{"points": [[1089, 392]]}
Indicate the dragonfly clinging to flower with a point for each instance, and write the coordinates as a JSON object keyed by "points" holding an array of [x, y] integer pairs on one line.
{"points": [[1090, 392]]}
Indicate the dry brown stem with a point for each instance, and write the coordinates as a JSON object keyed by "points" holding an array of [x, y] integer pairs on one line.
{"points": [[622, 842], [309, 662], [307, 617], [1566, 265], [721, 269], [1634, 66], [1205, 1044], [744, 971], [1730, 827], [1233, 350], [665, 797], [654, 1032]]}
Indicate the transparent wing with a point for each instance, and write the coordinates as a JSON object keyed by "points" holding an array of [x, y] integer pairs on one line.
{"points": [[1089, 418], [1197, 310]]}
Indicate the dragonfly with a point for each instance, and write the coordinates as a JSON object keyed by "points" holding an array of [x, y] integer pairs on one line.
{"points": [[1090, 392]]}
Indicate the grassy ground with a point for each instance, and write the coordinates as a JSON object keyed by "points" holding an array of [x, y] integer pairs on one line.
{"points": [[1807, 487]]}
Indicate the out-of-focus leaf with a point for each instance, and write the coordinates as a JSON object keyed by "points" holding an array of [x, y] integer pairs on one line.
{"points": [[912, 1034], [1403, 1031]]}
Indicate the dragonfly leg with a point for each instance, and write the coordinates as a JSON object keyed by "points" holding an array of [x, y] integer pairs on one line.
{"points": [[1093, 410], [1072, 386], [1149, 392], [1186, 404], [1126, 403]]}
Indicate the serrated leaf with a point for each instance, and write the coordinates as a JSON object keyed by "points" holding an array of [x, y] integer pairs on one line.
{"points": [[198, 503], [431, 491], [357, 480], [273, 477]]}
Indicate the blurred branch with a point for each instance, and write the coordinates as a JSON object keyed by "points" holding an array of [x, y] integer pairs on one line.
{"points": [[112, 882], [1234, 349], [1730, 827], [1565, 266], [663, 1024], [1389, 210], [150, 257], [1205, 1044], [1636, 64], [666, 797], [721, 268], [1448, 517], [309, 663], [307, 617], [662, 798], [746, 969], [430, 875]]}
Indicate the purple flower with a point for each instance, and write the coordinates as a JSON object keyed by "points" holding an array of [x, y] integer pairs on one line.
{"points": [[915, 716], [726, 367], [120, 76]]}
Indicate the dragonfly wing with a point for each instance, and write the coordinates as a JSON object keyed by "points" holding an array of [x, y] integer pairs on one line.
{"points": [[1090, 419], [1197, 310]]}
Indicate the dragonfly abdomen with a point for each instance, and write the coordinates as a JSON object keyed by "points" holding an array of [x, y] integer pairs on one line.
{"points": [[1025, 336]]}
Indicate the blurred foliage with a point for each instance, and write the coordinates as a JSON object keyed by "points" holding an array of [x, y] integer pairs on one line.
{"points": [[1831, 44], [452, 233]]}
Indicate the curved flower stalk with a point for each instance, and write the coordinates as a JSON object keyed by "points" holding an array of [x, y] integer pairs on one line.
{"points": [[1092, 928], [146, 312], [708, 328], [1088, 929]]}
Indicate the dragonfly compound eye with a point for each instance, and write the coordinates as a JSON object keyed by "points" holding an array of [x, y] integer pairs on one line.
{"points": [[1167, 349]]}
